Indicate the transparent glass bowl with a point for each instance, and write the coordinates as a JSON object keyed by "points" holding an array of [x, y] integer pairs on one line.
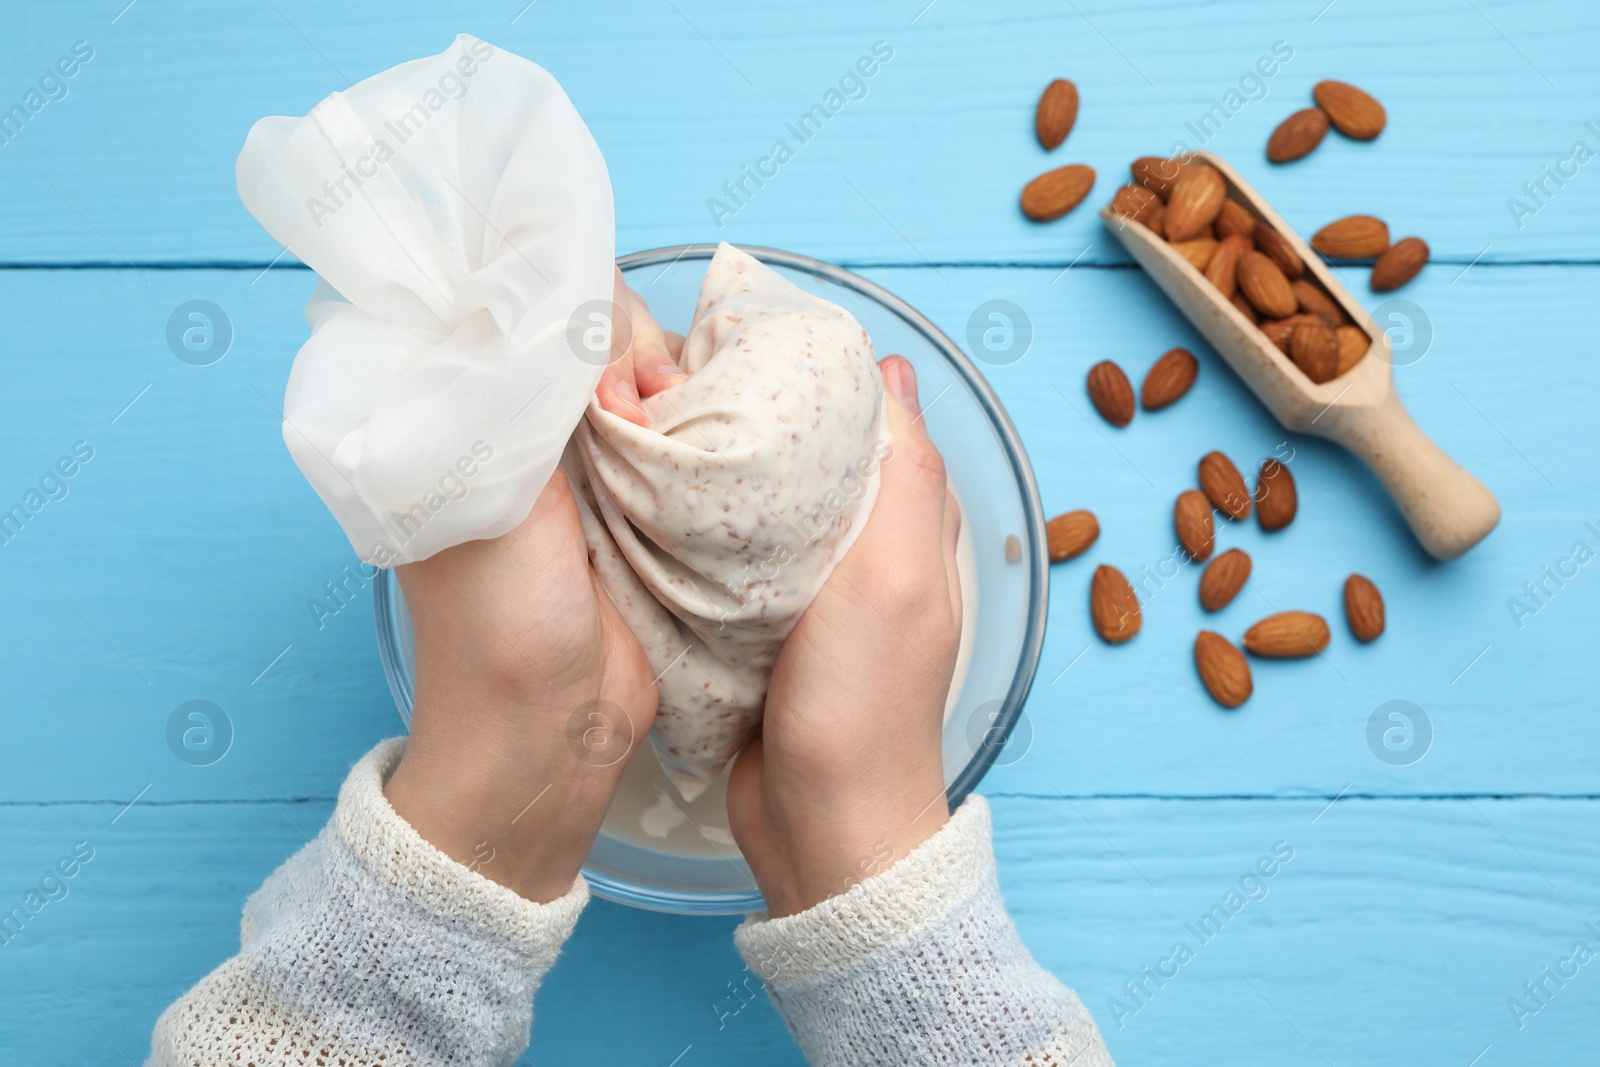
{"points": [[990, 473]]}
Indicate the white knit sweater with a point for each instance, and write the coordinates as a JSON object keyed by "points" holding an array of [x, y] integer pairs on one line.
{"points": [[370, 946]]}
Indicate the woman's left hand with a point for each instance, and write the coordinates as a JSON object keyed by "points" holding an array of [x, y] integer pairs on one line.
{"points": [[647, 360], [531, 696]]}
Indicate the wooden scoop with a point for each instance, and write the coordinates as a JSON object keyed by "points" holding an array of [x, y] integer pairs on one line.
{"points": [[1448, 509]]}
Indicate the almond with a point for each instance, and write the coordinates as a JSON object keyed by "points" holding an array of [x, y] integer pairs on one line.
{"points": [[1353, 344], [1276, 247], [1137, 202], [1168, 378], [1113, 606], [1223, 669], [1399, 264], [1234, 218], [1223, 578], [1220, 272], [1156, 223], [1278, 331], [1318, 303], [1224, 486], [1264, 285], [1276, 499], [1352, 237], [1314, 347], [1195, 201], [1111, 393], [1191, 517], [1297, 135], [1363, 607], [1071, 534], [1245, 308], [1056, 192], [1157, 174], [1287, 635], [1198, 251], [1352, 112], [1058, 110]]}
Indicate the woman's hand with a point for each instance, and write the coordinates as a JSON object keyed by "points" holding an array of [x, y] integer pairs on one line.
{"points": [[848, 775], [647, 363], [531, 691]]}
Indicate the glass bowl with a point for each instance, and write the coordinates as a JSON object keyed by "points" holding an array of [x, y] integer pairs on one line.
{"points": [[990, 473]]}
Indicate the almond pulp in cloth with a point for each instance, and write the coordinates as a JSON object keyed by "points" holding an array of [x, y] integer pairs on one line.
{"points": [[714, 529]]}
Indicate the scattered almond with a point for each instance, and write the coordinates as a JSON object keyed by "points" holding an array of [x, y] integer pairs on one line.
{"points": [[1314, 347], [1399, 264], [1353, 113], [1054, 193], [1235, 218], [1222, 579], [1245, 308], [1157, 174], [1224, 486], [1264, 285], [1168, 379], [1275, 246], [1191, 517], [1223, 669], [1070, 534], [1198, 251], [1363, 608], [1352, 237], [1111, 393], [1276, 499], [1195, 201], [1113, 606], [1297, 135], [1058, 110], [1287, 635], [1353, 344], [1013, 549], [1220, 272], [1318, 303]]}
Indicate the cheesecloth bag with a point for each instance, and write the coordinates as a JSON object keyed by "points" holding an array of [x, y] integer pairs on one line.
{"points": [[459, 215], [714, 529]]}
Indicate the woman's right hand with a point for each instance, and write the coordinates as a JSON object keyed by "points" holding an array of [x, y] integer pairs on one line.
{"points": [[847, 775]]}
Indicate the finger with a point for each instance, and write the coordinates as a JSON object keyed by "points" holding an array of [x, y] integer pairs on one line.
{"points": [[675, 347], [911, 495], [952, 540], [617, 391], [654, 369]]}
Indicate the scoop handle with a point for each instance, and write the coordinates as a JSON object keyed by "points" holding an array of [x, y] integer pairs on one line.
{"points": [[1447, 508]]}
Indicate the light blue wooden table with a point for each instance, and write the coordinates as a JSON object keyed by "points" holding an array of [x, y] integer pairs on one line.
{"points": [[177, 563]]}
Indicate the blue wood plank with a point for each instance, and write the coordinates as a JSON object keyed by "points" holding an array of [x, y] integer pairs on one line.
{"points": [[183, 561], [1383, 903], [136, 161]]}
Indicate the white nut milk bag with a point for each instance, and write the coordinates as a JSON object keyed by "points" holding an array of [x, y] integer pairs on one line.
{"points": [[459, 215], [715, 528]]}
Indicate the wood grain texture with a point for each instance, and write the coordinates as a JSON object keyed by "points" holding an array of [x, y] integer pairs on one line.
{"points": [[682, 96], [1418, 903]]}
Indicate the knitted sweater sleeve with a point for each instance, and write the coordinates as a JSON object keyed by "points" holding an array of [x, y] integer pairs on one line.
{"points": [[370, 946], [920, 964]]}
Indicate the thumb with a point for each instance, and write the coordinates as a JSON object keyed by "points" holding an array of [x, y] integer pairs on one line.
{"points": [[911, 497]]}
